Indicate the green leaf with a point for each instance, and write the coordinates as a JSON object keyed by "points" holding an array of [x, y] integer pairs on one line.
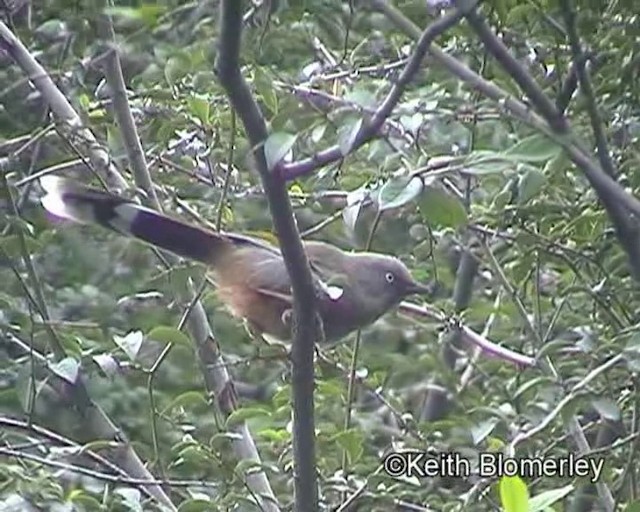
{"points": [[530, 184], [544, 500], [51, 29], [189, 398], [277, 146], [632, 352], [519, 13], [533, 149], [247, 466], [12, 245], [514, 495], [20, 224], [355, 200], [347, 134], [329, 388], [634, 506], [441, 209], [195, 505], [130, 344], [176, 68], [351, 442], [168, 334], [243, 414], [67, 369], [131, 497], [480, 163], [530, 385], [84, 501], [399, 191], [147, 12], [114, 140], [361, 96], [274, 435], [200, 108], [318, 132], [263, 85], [7, 301]]}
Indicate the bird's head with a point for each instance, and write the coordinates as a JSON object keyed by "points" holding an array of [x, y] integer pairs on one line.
{"points": [[385, 281]]}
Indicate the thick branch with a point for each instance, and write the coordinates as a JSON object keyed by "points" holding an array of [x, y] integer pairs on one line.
{"points": [[598, 179], [99, 425], [516, 71], [370, 129], [625, 226], [611, 194], [307, 330]]}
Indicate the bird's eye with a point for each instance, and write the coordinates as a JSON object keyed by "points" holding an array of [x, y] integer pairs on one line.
{"points": [[389, 277]]}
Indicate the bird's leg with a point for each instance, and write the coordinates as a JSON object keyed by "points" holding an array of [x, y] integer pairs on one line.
{"points": [[269, 343], [287, 317], [251, 330]]}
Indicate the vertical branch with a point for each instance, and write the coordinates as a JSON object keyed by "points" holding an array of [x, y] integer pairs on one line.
{"points": [[217, 379], [307, 329], [98, 424], [626, 228]]}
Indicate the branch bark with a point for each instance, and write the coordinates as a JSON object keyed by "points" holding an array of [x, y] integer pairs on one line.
{"points": [[61, 108], [370, 128], [98, 423], [307, 326], [218, 382]]}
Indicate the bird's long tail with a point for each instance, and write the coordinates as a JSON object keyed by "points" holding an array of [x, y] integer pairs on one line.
{"points": [[86, 205]]}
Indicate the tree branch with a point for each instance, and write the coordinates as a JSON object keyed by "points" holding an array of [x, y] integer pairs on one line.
{"points": [[601, 178], [217, 379], [516, 71], [60, 106], [601, 182], [99, 424], [307, 327], [370, 128]]}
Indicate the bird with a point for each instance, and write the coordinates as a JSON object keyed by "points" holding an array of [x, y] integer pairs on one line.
{"points": [[353, 289]]}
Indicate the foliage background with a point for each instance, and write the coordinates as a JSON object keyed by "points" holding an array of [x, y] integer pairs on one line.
{"points": [[508, 232]]}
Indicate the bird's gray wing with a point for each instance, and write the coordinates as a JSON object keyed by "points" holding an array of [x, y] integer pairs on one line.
{"points": [[266, 272]]}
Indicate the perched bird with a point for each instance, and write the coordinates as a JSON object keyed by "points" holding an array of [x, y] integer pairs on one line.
{"points": [[353, 289]]}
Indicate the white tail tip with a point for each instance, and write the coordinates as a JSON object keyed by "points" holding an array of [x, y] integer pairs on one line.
{"points": [[52, 184], [53, 200]]}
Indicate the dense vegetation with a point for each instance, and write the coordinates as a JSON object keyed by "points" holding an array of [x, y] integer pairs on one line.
{"points": [[503, 173]]}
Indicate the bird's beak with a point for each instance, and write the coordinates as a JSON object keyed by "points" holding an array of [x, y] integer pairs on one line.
{"points": [[415, 287]]}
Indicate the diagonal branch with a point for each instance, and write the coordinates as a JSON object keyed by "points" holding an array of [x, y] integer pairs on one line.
{"points": [[516, 71], [369, 129], [613, 197], [601, 182], [217, 379], [98, 422], [60, 106], [626, 228]]}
